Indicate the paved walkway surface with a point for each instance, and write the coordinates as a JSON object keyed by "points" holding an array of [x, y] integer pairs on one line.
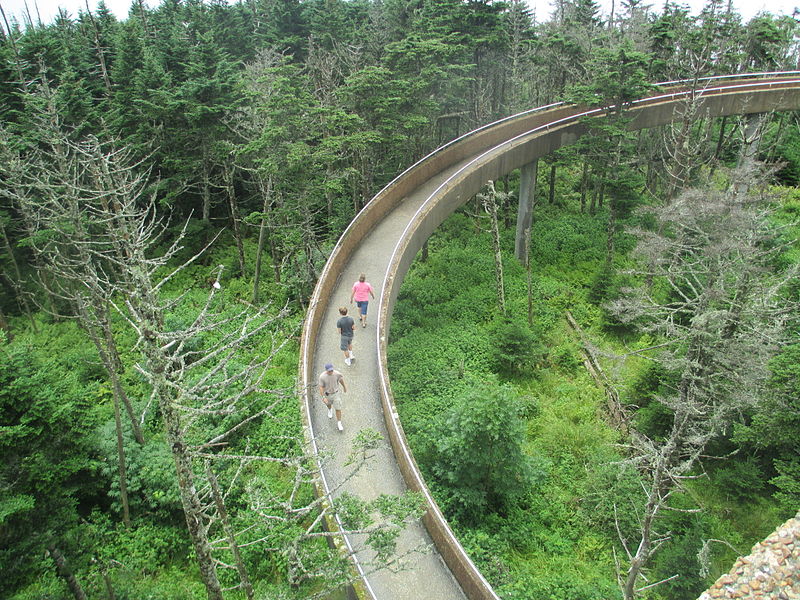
{"points": [[425, 575]]}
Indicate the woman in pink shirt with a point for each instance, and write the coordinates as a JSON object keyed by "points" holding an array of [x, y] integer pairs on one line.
{"points": [[362, 290]]}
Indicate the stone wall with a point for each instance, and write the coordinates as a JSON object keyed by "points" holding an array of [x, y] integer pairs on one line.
{"points": [[770, 572]]}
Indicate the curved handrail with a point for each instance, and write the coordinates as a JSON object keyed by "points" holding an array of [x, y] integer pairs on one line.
{"points": [[488, 152]]}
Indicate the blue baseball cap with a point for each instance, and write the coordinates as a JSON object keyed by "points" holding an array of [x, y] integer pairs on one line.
{"points": [[328, 366]]}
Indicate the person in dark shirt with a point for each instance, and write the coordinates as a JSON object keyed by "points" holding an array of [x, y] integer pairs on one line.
{"points": [[346, 326]]}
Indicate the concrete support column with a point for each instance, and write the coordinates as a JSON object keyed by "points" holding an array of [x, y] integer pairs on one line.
{"points": [[527, 202]]}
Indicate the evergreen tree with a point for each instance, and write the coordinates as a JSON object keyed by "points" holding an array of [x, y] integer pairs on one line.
{"points": [[48, 466]]}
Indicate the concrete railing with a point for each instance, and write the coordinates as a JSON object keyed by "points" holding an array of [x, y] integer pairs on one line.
{"points": [[489, 153]]}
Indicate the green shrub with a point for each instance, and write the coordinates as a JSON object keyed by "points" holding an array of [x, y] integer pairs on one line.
{"points": [[488, 551], [739, 479], [516, 348], [478, 456], [788, 482], [613, 493], [566, 357], [681, 556], [561, 582]]}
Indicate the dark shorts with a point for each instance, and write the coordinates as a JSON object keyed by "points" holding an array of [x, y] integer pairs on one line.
{"points": [[345, 342], [362, 306]]}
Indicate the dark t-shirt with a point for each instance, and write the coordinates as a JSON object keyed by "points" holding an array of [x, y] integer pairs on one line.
{"points": [[346, 324]]}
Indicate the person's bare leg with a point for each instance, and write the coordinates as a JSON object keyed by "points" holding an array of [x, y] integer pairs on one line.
{"points": [[339, 420]]}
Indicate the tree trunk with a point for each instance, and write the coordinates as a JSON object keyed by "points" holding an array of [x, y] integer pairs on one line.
{"points": [[584, 185], [506, 208], [552, 181], [190, 499], [677, 174], [111, 369], [237, 233], [17, 285], [101, 59], [262, 235], [17, 62], [721, 137], [159, 367], [65, 573], [528, 279], [143, 17], [4, 326], [490, 203], [123, 476], [206, 190], [751, 138], [113, 362], [642, 554], [109, 588], [612, 224], [229, 533], [527, 202]]}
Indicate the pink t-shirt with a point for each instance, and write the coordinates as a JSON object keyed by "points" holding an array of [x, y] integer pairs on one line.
{"points": [[361, 291]]}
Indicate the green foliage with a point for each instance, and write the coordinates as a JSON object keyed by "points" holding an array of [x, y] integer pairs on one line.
{"points": [[559, 581], [48, 463], [787, 481], [789, 152], [516, 348], [741, 479], [776, 424], [614, 493], [426, 369], [568, 244], [387, 510], [602, 286], [478, 452], [566, 358], [145, 547], [152, 489]]}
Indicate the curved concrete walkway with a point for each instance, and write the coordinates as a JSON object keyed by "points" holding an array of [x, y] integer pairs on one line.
{"points": [[363, 410], [382, 242]]}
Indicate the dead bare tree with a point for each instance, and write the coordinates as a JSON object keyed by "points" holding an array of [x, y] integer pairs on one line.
{"points": [[490, 199], [49, 190], [685, 153], [206, 394], [709, 291]]}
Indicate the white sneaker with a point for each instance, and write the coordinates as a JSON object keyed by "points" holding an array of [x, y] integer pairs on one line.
{"points": [[330, 413], [347, 361], [339, 425]]}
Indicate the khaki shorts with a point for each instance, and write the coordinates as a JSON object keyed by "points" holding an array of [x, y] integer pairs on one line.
{"points": [[334, 400]]}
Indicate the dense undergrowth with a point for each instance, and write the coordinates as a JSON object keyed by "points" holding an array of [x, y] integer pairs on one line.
{"points": [[556, 533], [59, 428]]}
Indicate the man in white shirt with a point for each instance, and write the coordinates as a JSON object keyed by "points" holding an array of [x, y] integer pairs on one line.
{"points": [[330, 382]]}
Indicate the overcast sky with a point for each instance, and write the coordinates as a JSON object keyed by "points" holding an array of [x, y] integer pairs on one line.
{"points": [[48, 8]]}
